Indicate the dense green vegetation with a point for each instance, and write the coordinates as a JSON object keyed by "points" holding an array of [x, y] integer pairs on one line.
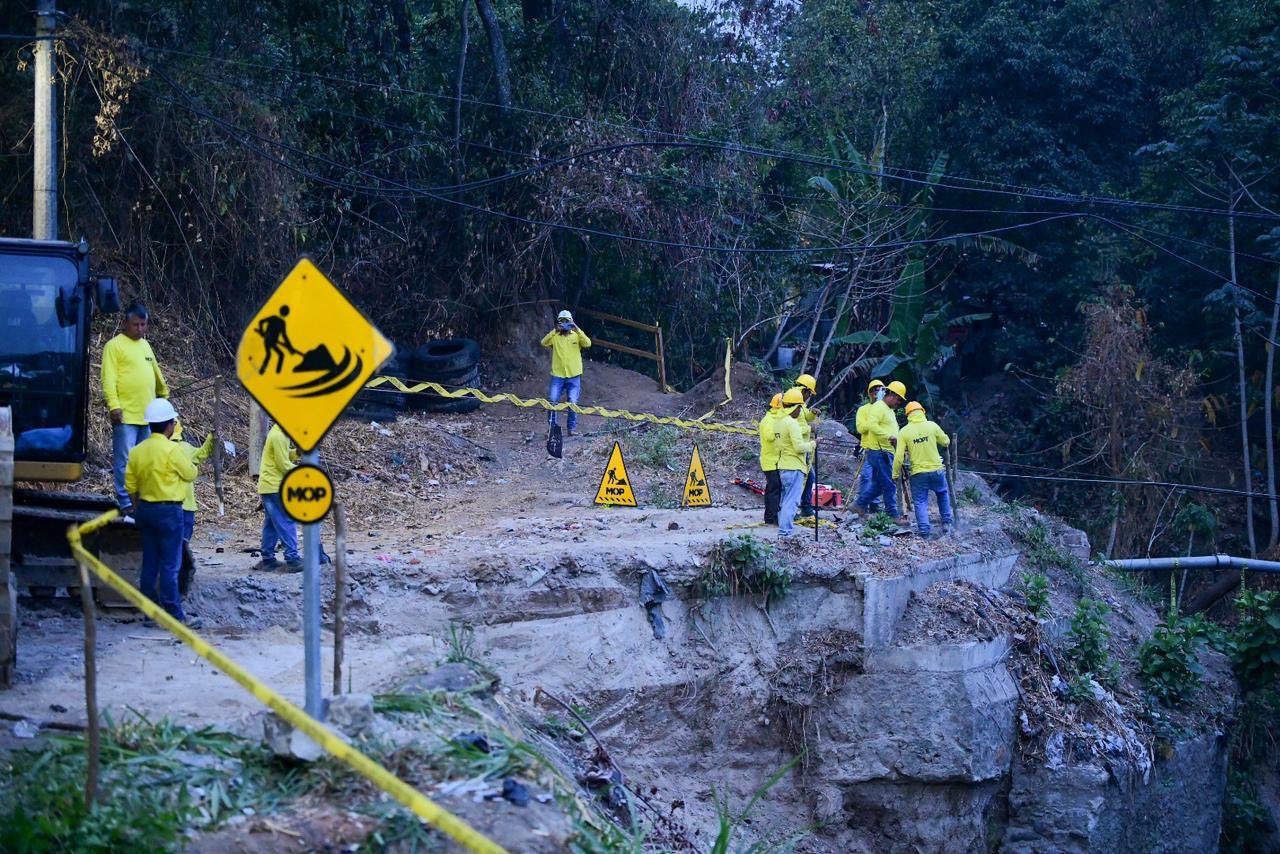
{"points": [[1016, 207]]}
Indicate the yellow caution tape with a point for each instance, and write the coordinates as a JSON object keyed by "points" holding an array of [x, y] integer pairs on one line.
{"points": [[506, 397], [456, 828], [728, 387]]}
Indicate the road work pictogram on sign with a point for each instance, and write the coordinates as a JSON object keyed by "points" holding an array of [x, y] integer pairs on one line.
{"points": [[306, 353], [615, 485], [696, 491], [306, 493]]}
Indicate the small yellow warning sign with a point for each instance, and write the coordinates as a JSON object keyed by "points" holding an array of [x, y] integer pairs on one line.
{"points": [[696, 491], [615, 484]]}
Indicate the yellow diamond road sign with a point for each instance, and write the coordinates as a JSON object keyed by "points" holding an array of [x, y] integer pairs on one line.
{"points": [[306, 353]]}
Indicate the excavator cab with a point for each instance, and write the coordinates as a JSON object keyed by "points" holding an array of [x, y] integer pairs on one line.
{"points": [[47, 300]]}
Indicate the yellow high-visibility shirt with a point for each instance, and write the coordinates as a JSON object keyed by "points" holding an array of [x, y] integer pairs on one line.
{"points": [[860, 423], [792, 444], [158, 470], [566, 351], [882, 426], [920, 439], [131, 377], [197, 456], [278, 456], [768, 450]]}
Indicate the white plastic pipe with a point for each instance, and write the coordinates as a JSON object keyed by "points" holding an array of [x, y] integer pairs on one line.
{"points": [[1146, 564]]}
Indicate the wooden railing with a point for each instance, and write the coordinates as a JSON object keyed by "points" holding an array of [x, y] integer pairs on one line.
{"points": [[657, 355]]}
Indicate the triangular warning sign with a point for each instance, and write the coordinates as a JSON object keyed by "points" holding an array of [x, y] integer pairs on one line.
{"points": [[615, 483], [696, 491]]}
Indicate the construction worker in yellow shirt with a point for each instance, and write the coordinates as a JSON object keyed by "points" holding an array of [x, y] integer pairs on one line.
{"points": [[861, 423], [278, 457], [769, 461], [566, 343], [808, 387], [878, 446], [794, 448], [919, 441], [197, 455], [156, 477], [131, 379]]}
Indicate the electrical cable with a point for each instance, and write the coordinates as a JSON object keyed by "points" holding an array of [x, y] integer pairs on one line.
{"points": [[408, 190], [1220, 490], [1042, 194]]}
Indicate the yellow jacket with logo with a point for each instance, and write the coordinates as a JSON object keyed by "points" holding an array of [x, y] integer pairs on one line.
{"points": [[131, 377], [566, 351], [158, 470], [278, 457], [921, 439], [197, 455], [882, 426], [768, 449], [791, 443]]}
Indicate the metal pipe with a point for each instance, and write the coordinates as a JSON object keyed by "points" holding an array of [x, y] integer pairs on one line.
{"points": [[1149, 564]]}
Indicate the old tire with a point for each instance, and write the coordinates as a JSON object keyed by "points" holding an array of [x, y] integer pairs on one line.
{"points": [[446, 356], [449, 405]]}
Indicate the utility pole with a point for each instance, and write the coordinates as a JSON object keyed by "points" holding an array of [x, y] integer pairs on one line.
{"points": [[44, 225]]}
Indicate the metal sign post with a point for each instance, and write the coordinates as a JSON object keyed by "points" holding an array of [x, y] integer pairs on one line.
{"points": [[311, 605]]}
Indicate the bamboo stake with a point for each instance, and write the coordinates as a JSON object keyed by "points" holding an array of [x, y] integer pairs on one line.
{"points": [[217, 443], [90, 687]]}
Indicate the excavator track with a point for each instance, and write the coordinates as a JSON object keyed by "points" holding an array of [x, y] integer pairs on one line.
{"points": [[41, 559]]}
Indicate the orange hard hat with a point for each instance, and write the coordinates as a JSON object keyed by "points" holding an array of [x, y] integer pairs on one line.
{"points": [[776, 402], [914, 406]]}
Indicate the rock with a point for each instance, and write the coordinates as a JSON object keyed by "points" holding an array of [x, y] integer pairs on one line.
{"points": [[25, 729], [886, 541], [351, 713], [287, 742], [453, 677]]}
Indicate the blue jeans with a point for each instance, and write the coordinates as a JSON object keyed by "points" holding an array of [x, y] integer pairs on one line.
{"points": [[792, 486], [123, 438], [278, 528], [188, 525], [572, 388], [921, 486], [881, 465], [161, 528], [866, 484]]}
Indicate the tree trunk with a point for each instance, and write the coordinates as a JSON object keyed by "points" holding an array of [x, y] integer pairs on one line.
{"points": [[1244, 403], [497, 47], [844, 303], [1268, 414], [817, 318]]}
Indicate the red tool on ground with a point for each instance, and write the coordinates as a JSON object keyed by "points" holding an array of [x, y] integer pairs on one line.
{"points": [[747, 483]]}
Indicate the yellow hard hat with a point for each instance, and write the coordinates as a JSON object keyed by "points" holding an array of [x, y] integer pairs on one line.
{"points": [[914, 406], [776, 403], [808, 382], [792, 397], [898, 388], [873, 385]]}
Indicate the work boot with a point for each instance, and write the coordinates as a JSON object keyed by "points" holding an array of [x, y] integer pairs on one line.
{"points": [[268, 564], [293, 566], [806, 512], [570, 432], [193, 622]]}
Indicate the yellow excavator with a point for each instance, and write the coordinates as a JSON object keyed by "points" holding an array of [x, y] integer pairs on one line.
{"points": [[48, 298]]}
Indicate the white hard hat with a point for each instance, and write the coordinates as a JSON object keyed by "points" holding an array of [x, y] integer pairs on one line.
{"points": [[565, 315], [159, 411]]}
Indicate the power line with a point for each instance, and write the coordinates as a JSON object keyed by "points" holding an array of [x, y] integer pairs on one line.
{"points": [[240, 133], [828, 162], [1220, 490]]}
